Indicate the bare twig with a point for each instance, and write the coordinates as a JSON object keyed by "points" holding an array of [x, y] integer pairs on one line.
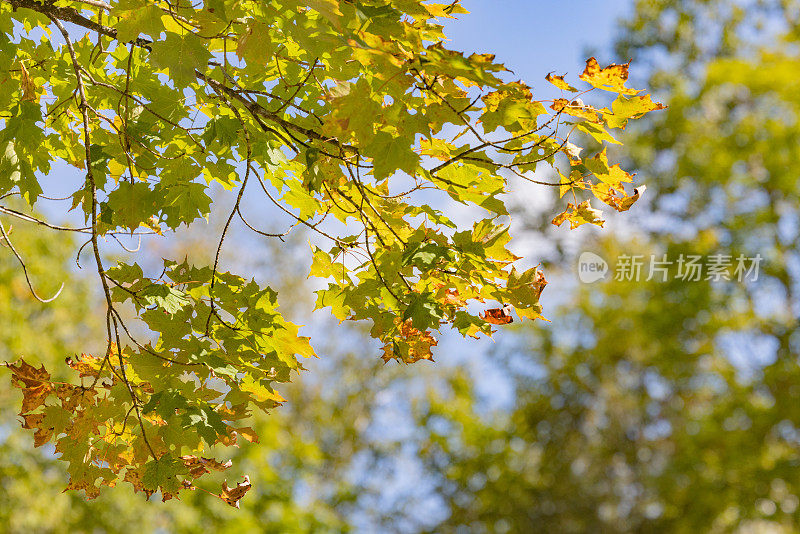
{"points": [[25, 268]]}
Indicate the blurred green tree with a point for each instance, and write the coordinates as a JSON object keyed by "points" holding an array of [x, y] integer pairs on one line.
{"points": [[662, 406]]}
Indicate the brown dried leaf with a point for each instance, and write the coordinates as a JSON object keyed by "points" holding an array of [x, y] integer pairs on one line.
{"points": [[578, 215], [619, 203], [34, 422], [134, 476], [72, 397], [498, 316], [233, 495], [29, 93], [199, 466]]}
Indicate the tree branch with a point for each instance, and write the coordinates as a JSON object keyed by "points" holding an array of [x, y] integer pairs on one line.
{"points": [[69, 14]]}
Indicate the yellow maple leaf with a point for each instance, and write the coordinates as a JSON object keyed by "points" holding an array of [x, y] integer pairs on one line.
{"points": [[578, 215], [611, 78], [559, 82]]}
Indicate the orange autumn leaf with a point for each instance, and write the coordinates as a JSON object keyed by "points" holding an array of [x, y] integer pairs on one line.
{"points": [[34, 383], [498, 316], [248, 433], [410, 345], [86, 365]]}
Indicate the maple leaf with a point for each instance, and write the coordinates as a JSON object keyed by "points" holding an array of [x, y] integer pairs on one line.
{"points": [[29, 93], [199, 466], [247, 433], [576, 108], [134, 477], [524, 291], [610, 78], [578, 215], [73, 397], [181, 54], [84, 478], [498, 315], [34, 383], [559, 82], [624, 109], [135, 17], [410, 345], [233, 495], [35, 421], [86, 365], [617, 199]]}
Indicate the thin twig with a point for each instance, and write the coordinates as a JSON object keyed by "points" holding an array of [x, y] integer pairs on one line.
{"points": [[25, 268]]}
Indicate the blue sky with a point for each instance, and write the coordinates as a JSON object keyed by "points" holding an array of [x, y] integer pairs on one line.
{"points": [[534, 37]]}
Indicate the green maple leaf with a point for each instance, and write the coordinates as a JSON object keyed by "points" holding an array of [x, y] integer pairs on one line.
{"points": [[207, 423], [137, 17], [166, 403], [184, 201], [625, 108], [182, 55], [222, 129], [131, 205], [162, 474], [165, 297], [424, 311], [391, 153], [149, 367]]}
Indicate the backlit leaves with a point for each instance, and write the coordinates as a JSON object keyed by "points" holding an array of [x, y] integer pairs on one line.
{"points": [[498, 316], [132, 410], [610, 78], [233, 495], [559, 82], [34, 383], [578, 215], [625, 108], [350, 119]]}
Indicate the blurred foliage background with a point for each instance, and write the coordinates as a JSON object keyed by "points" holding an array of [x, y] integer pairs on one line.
{"points": [[644, 407]]}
